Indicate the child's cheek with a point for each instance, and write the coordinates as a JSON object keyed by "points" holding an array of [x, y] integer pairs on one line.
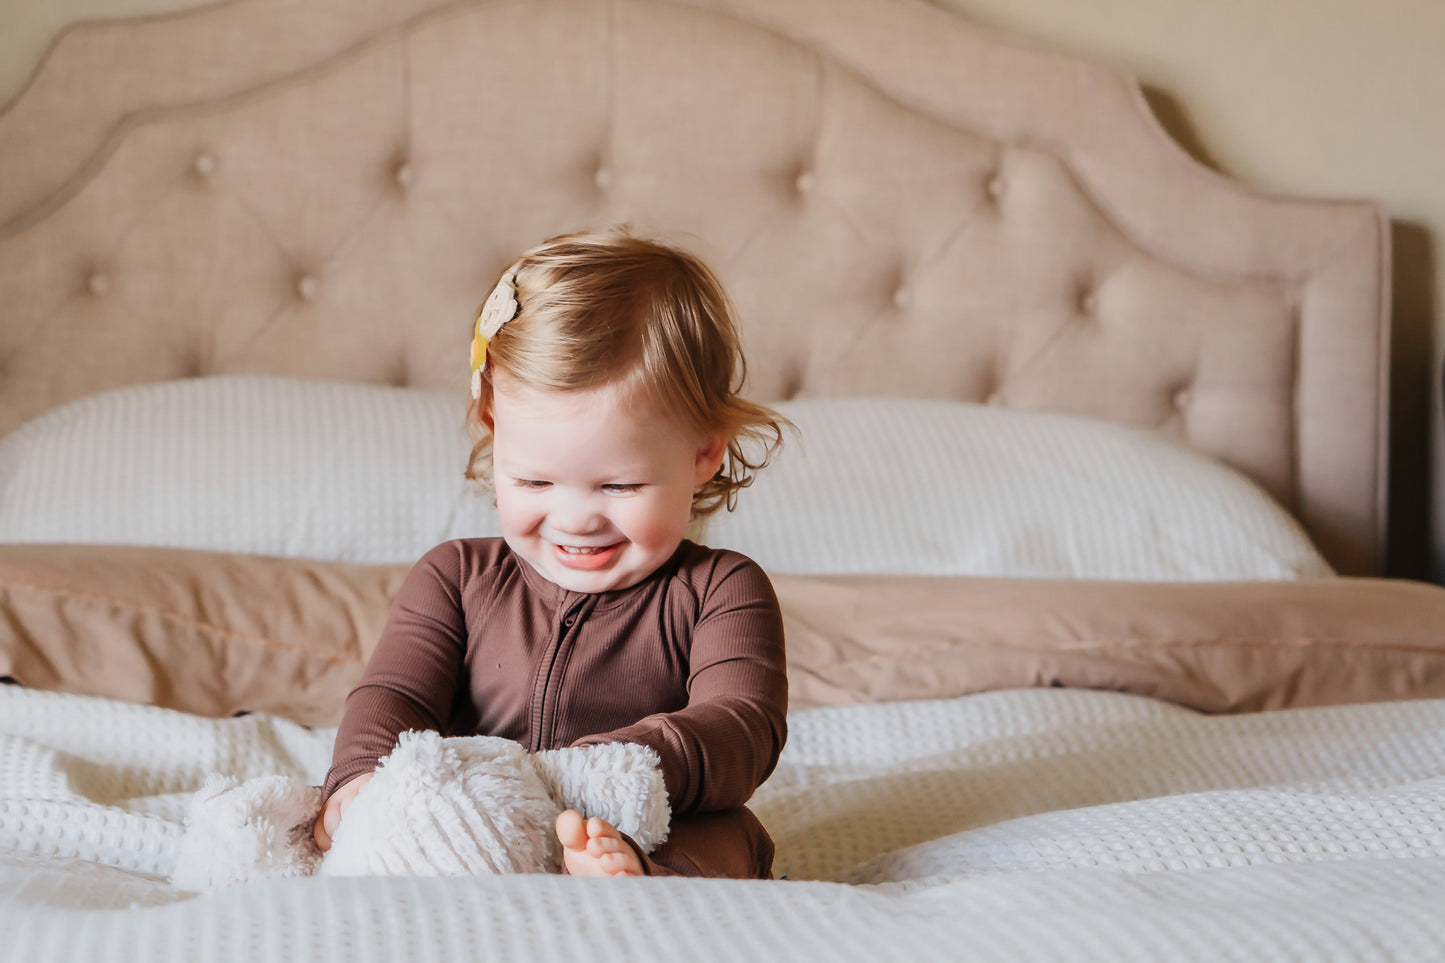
{"points": [[517, 515], [651, 524]]}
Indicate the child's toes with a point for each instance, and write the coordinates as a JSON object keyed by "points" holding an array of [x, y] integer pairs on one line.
{"points": [[619, 864], [603, 845], [571, 830]]}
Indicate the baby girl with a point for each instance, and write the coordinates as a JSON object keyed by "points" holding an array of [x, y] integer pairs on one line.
{"points": [[606, 373]]}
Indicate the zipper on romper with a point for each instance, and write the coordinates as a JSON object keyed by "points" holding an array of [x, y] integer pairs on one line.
{"points": [[544, 709]]}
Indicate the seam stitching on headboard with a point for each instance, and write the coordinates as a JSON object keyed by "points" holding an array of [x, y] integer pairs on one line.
{"points": [[92, 23]]}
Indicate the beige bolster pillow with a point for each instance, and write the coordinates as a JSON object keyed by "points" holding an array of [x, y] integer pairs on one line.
{"points": [[1218, 647], [215, 634]]}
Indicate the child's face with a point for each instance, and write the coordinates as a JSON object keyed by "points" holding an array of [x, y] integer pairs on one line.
{"points": [[593, 494]]}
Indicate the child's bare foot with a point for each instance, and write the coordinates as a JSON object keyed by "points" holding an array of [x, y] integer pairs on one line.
{"points": [[595, 847]]}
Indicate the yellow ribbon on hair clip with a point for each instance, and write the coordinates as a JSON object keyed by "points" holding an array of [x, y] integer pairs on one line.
{"points": [[479, 352], [500, 307]]}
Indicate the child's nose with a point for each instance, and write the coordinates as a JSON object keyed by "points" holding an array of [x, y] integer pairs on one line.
{"points": [[577, 516]]}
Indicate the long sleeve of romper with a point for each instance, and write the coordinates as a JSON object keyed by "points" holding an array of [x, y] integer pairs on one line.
{"points": [[717, 750], [412, 677]]}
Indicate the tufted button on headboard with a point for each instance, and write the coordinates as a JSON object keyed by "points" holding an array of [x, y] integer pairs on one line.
{"points": [[898, 204]]}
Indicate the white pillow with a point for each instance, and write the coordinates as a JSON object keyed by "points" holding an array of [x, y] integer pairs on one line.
{"points": [[899, 486], [361, 473], [269, 466]]}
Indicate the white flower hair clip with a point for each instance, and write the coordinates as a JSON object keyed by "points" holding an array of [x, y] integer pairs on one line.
{"points": [[500, 307]]}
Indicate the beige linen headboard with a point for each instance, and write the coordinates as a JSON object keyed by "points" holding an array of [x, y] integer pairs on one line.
{"points": [[899, 204]]}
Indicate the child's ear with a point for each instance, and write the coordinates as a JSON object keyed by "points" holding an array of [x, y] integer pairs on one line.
{"points": [[709, 458]]}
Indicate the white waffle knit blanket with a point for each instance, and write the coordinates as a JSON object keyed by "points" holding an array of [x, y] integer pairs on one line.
{"points": [[1032, 825]]}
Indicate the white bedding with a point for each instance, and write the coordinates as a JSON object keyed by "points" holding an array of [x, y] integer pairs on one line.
{"points": [[362, 473], [1038, 824]]}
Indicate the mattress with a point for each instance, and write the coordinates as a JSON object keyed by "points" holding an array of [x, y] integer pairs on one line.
{"points": [[1011, 825]]}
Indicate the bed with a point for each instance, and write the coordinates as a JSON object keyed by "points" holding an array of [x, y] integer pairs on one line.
{"points": [[1115, 678]]}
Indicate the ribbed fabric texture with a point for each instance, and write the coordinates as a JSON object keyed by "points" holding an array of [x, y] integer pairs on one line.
{"points": [[1014, 826], [362, 473], [689, 662], [895, 486]]}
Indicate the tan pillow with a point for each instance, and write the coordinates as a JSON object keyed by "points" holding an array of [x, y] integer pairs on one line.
{"points": [[216, 634], [1218, 647], [205, 632]]}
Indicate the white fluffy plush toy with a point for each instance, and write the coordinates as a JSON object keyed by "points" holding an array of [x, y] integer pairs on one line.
{"points": [[436, 807]]}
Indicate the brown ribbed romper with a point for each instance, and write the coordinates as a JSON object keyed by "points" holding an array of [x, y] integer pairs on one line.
{"points": [[689, 661]]}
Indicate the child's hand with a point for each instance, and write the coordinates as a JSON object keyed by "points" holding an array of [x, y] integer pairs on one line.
{"points": [[330, 817]]}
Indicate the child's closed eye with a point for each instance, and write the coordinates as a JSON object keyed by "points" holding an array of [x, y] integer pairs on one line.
{"points": [[532, 484]]}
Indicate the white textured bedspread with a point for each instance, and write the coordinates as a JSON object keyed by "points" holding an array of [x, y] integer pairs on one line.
{"points": [[1040, 824]]}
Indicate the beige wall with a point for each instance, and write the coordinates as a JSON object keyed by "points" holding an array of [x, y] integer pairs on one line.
{"points": [[1334, 97]]}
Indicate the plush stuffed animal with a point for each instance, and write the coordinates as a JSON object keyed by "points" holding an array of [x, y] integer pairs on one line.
{"points": [[436, 807]]}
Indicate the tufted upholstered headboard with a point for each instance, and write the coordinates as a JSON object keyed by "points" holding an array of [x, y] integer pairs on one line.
{"points": [[899, 204]]}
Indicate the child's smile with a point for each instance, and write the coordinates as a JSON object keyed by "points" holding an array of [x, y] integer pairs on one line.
{"points": [[592, 493], [588, 559]]}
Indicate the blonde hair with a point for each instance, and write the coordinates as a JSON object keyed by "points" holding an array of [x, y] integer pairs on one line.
{"points": [[651, 320]]}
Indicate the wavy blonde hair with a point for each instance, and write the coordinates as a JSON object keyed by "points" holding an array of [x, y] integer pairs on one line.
{"points": [[615, 309]]}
